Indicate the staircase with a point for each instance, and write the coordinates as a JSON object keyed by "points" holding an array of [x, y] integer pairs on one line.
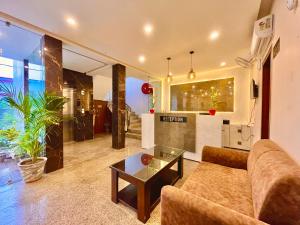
{"points": [[134, 129]]}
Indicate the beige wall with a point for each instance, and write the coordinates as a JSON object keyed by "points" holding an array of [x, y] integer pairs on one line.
{"points": [[241, 94], [102, 87], [285, 82], [256, 75]]}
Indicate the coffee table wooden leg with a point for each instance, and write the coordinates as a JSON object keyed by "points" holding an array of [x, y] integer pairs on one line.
{"points": [[180, 167], [114, 186], [143, 201]]}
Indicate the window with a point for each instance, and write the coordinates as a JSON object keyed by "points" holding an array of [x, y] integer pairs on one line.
{"points": [[6, 68]]}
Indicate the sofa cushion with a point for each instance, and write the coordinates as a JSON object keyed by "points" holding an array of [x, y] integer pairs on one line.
{"points": [[226, 186], [276, 189], [258, 149]]}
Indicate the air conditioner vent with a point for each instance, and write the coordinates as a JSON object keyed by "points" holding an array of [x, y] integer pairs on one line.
{"points": [[262, 36]]}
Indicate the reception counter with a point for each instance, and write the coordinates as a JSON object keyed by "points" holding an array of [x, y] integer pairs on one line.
{"points": [[188, 131]]}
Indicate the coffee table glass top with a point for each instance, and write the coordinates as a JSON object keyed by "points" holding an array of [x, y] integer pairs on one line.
{"points": [[146, 164]]}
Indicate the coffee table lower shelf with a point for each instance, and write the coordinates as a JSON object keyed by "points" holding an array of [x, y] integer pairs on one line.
{"points": [[128, 195]]}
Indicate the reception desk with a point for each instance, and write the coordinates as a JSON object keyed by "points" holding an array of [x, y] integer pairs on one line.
{"points": [[188, 131]]}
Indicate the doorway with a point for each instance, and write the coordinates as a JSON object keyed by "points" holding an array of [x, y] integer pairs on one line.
{"points": [[102, 122], [266, 98]]}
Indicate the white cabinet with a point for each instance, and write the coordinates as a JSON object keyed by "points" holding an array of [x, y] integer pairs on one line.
{"points": [[237, 136], [225, 135], [208, 132], [147, 130]]}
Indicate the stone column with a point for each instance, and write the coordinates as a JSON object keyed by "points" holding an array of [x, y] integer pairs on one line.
{"points": [[52, 59], [26, 76], [118, 106]]}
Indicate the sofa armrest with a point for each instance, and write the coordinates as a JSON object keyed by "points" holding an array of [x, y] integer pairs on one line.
{"points": [[225, 157], [179, 207]]}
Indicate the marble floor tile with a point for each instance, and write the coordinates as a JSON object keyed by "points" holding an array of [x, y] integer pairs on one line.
{"points": [[77, 194]]}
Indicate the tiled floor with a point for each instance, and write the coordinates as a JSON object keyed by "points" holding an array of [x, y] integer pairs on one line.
{"points": [[9, 172], [77, 194]]}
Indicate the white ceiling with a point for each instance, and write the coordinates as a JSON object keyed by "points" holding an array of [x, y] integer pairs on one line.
{"points": [[115, 27], [77, 59], [85, 61]]}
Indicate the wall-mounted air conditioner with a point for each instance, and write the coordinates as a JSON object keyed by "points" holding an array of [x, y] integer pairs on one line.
{"points": [[262, 35]]}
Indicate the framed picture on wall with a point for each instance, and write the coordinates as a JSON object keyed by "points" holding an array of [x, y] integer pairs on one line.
{"points": [[202, 96]]}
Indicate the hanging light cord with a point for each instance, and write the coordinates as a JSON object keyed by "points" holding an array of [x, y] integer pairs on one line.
{"points": [[168, 65], [191, 52]]}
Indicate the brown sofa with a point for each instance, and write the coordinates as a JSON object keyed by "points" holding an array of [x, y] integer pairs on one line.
{"points": [[229, 187]]}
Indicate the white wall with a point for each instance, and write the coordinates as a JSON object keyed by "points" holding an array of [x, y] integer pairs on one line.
{"points": [[138, 101], [241, 93], [102, 89], [285, 81], [256, 75], [134, 97]]}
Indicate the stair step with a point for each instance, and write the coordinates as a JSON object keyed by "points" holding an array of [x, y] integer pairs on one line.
{"points": [[134, 116], [135, 130], [135, 121], [134, 136], [135, 126]]}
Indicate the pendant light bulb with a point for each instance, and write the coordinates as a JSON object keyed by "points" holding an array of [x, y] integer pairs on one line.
{"points": [[169, 76], [191, 74]]}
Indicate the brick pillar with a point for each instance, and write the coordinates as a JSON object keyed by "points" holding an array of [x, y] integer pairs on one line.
{"points": [[52, 59], [118, 106]]}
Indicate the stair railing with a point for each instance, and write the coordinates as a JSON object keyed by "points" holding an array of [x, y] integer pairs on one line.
{"points": [[128, 111]]}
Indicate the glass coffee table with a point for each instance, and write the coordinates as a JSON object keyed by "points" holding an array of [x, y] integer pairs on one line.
{"points": [[147, 172]]}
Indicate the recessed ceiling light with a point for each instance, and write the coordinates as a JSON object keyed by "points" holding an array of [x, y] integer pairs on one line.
{"points": [[223, 64], [142, 59], [148, 29], [214, 35], [71, 21]]}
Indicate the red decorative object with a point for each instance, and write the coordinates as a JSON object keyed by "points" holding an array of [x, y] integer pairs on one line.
{"points": [[212, 112], [146, 88], [151, 111], [150, 90], [146, 159]]}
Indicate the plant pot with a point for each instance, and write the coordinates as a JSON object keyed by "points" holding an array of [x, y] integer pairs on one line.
{"points": [[151, 111], [212, 112], [32, 172]]}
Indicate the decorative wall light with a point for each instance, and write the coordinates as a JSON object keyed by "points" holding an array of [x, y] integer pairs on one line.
{"points": [[191, 74], [169, 76]]}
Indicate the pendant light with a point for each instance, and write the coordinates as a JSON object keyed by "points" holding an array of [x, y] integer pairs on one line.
{"points": [[191, 74], [169, 76]]}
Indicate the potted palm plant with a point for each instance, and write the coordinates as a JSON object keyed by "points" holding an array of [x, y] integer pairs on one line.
{"points": [[38, 114]]}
